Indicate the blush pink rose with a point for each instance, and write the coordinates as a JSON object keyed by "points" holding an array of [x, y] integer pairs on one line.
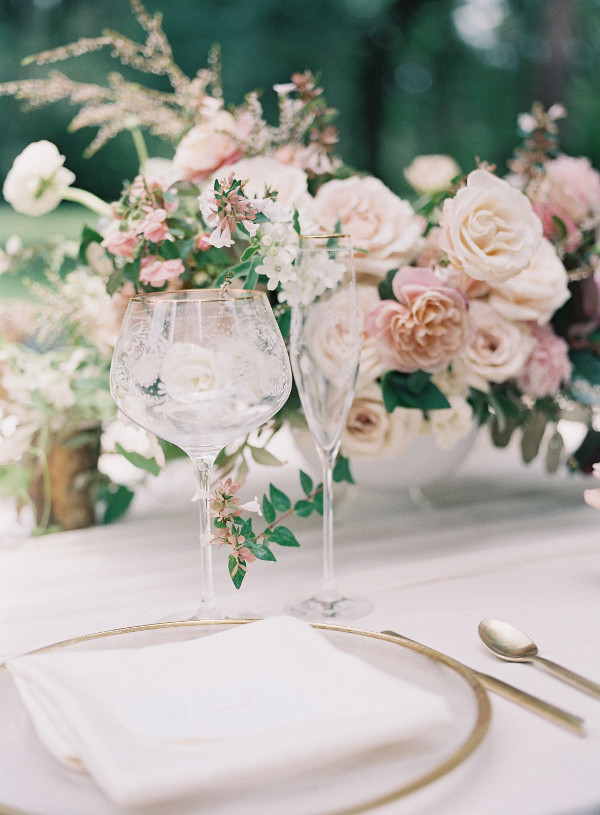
{"points": [[156, 272], [122, 242], [574, 186], [206, 147], [548, 365], [427, 325], [154, 226], [500, 348]]}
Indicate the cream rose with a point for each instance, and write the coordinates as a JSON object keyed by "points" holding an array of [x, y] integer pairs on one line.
{"points": [[206, 147], [450, 425], [489, 230], [188, 369], [333, 344], [425, 327], [380, 223], [371, 431], [431, 173], [535, 293], [500, 348], [36, 182]]}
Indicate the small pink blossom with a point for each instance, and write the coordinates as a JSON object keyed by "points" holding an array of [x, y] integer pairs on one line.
{"points": [[122, 242], [154, 226], [548, 365], [425, 327], [155, 272], [203, 241]]}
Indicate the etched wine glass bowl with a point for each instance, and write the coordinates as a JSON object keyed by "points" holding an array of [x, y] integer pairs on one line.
{"points": [[200, 368], [325, 342]]}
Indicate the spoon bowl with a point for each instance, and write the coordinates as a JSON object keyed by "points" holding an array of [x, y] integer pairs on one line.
{"points": [[506, 641], [513, 645]]}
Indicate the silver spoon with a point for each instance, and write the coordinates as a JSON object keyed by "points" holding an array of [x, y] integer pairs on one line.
{"points": [[509, 643]]}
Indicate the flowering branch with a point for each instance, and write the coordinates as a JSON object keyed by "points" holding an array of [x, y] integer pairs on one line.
{"points": [[248, 546]]}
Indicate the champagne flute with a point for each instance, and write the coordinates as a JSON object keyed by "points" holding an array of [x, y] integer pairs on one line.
{"points": [[200, 368], [325, 341]]}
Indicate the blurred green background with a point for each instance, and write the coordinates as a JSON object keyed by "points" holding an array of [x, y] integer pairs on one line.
{"points": [[407, 76]]}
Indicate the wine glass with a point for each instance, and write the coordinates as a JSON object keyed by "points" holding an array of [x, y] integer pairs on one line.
{"points": [[200, 368], [325, 341]]}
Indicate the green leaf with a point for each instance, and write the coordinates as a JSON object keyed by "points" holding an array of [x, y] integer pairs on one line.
{"points": [[268, 510], [554, 452], [279, 499], [283, 536], [306, 482], [385, 286], [115, 281], [262, 456], [150, 465], [318, 502], [252, 279], [533, 432], [414, 390], [284, 320], [238, 578], [116, 499], [249, 252], [304, 508], [88, 236], [341, 470], [261, 551]]}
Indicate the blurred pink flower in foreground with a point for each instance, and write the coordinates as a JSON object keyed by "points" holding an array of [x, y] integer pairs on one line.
{"points": [[592, 497]]}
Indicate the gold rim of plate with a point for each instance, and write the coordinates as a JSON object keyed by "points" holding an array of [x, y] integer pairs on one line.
{"points": [[470, 743]]}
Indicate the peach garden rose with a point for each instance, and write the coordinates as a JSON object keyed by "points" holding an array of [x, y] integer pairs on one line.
{"points": [[425, 327]]}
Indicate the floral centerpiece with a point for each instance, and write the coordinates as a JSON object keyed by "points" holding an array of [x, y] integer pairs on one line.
{"points": [[464, 293]]}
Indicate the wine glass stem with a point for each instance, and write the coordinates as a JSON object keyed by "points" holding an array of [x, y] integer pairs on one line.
{"points": [[203, 466], [329, 590]]}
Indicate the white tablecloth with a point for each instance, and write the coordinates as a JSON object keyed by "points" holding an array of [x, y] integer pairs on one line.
{"points": [[499, 539]]}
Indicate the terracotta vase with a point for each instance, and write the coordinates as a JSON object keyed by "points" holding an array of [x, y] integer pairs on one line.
{"points": [[72, 479]]}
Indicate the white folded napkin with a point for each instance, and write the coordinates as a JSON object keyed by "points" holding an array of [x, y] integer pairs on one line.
{"points": [[164, 721]]}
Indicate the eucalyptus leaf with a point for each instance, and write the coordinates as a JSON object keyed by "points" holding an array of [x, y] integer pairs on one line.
{"points": [[262, 456], [533, 432], [554, 452]]}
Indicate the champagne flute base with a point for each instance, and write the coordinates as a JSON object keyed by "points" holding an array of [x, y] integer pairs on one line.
{"points": [[343, 608]]}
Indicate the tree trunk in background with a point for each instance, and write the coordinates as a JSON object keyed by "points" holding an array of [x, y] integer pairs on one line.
{"points": [[559, 29]]}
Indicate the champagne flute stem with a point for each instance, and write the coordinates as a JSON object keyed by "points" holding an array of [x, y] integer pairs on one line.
{"points": [[329, 591], [203, 467]]}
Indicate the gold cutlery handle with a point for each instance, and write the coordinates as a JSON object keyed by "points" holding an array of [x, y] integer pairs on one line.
{"points": [[575, 679], [550, 712], [532, 703]]}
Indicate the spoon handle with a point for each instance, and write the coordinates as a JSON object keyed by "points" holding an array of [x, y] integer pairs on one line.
{"points": [[550, 712], [554, 714], [578, 681]]}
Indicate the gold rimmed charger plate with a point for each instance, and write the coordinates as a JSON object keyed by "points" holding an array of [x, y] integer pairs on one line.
{"points": [[33, 783]]}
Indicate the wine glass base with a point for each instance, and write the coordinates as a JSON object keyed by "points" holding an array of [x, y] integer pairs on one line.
{"points": [[344, 608], [215, 613]]}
